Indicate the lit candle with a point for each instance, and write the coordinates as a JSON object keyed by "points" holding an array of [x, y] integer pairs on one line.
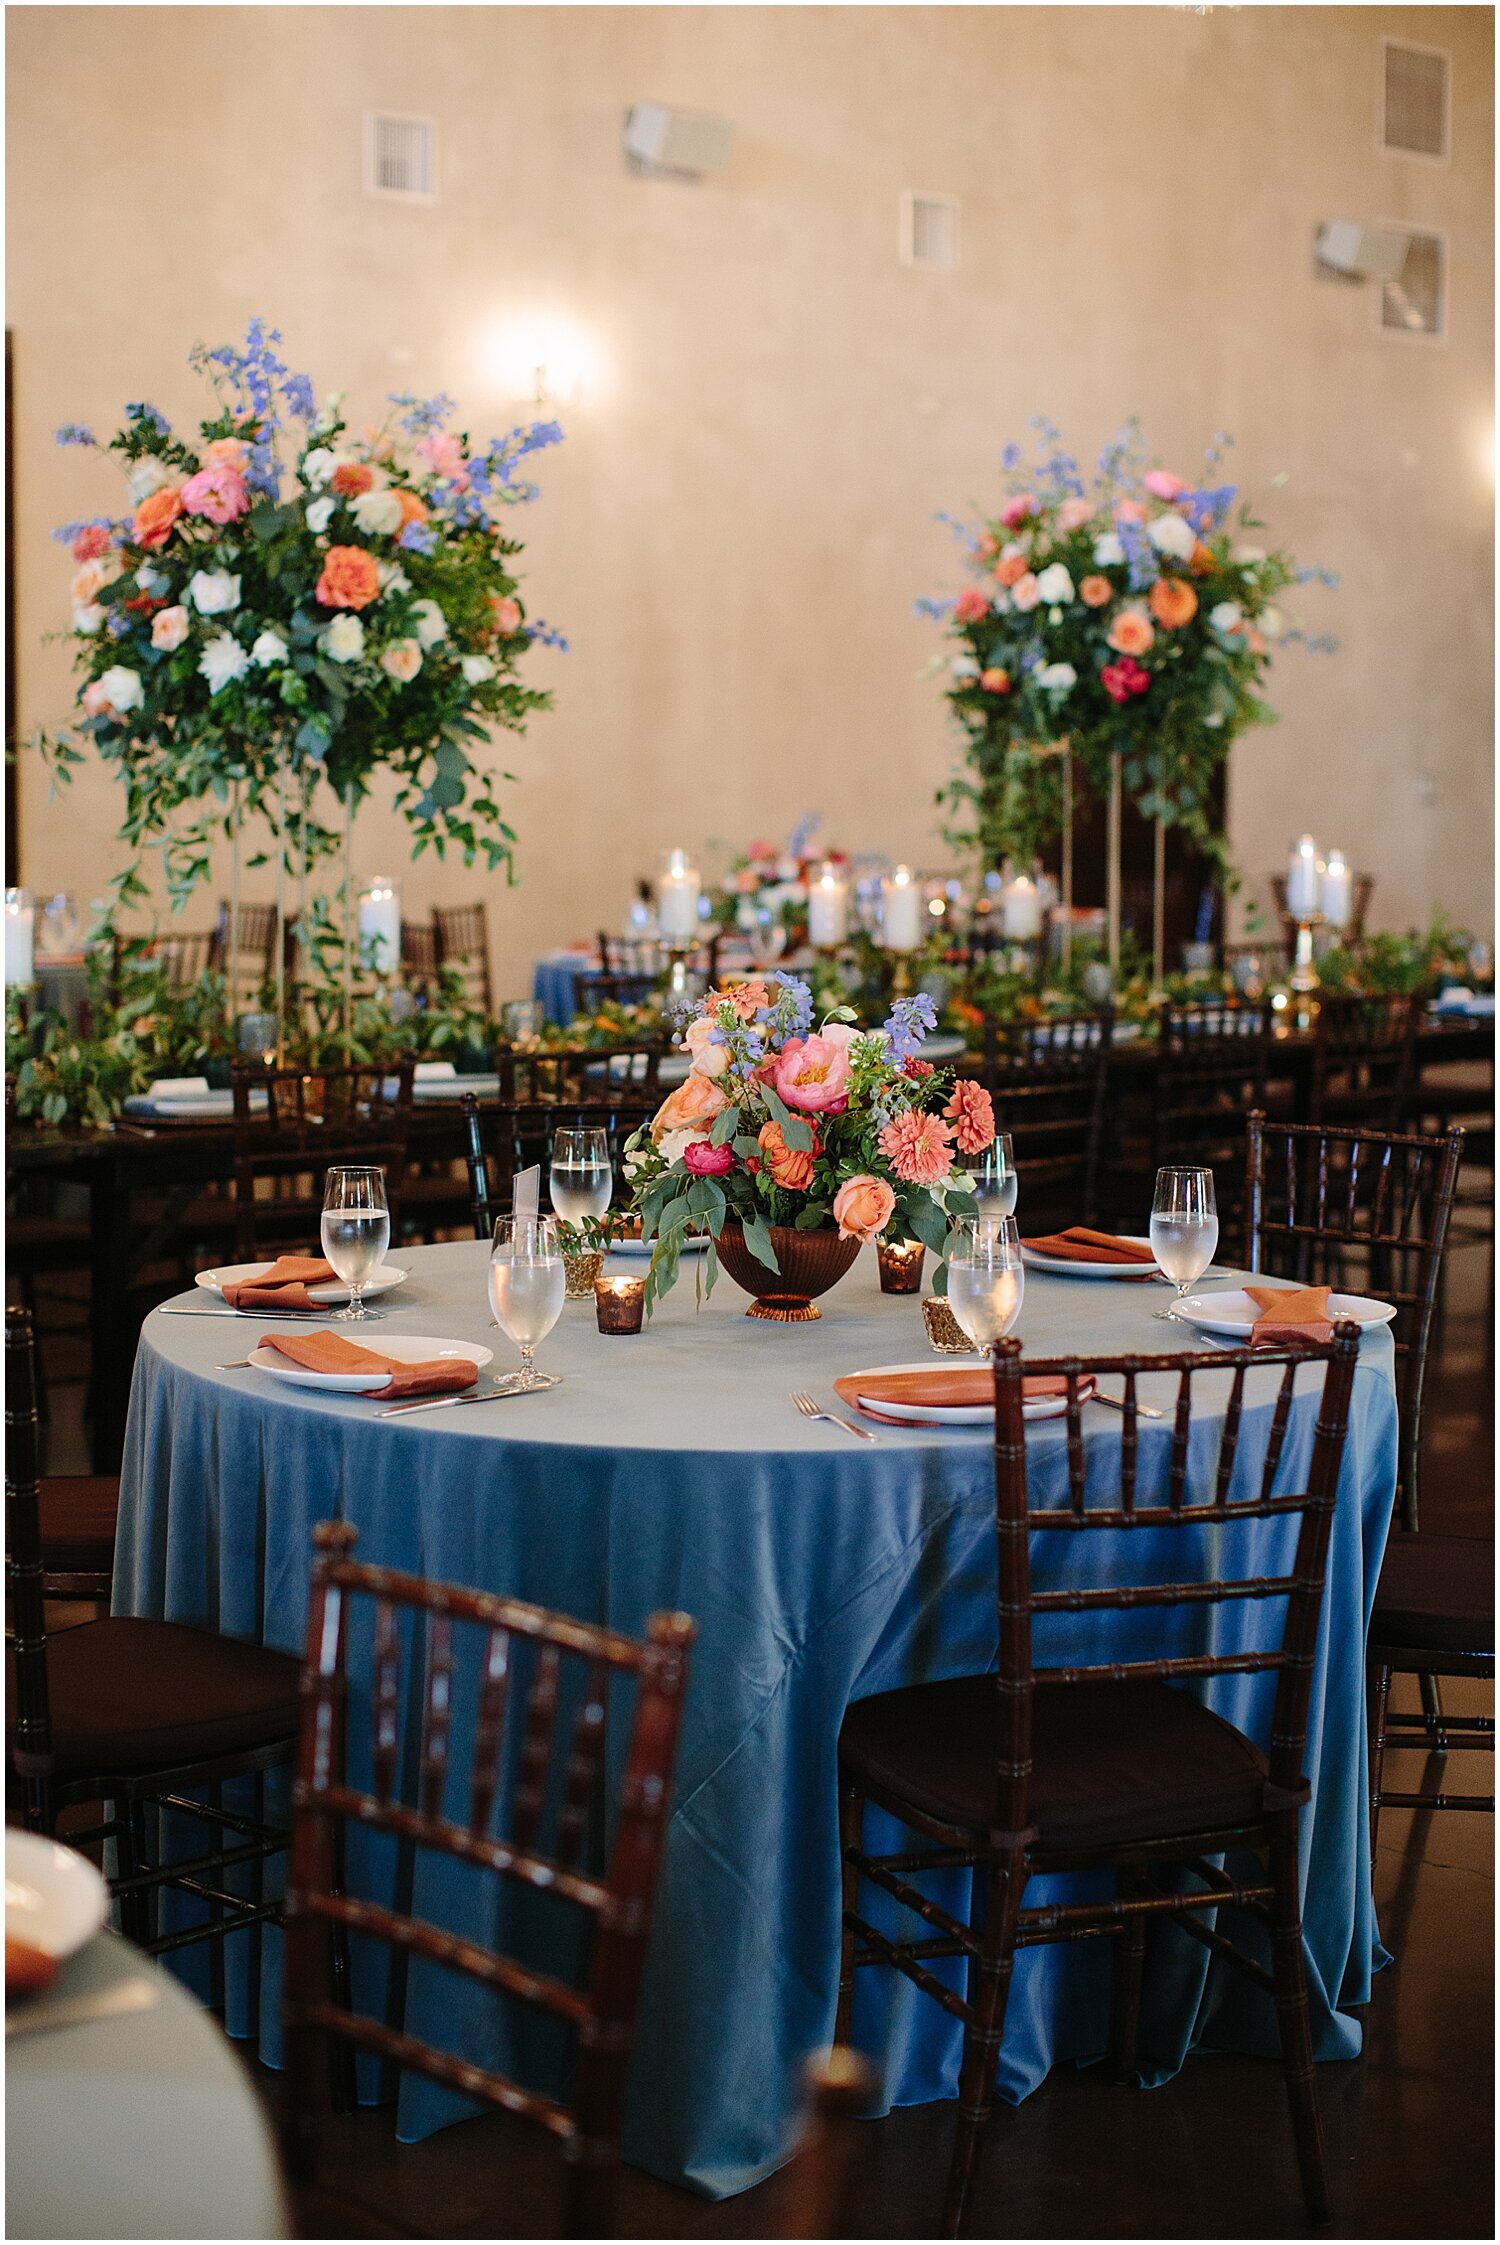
{"points": [[827, 909], [900, 1262], [20, 925], [902, 899], [1021, 910], [619, 1303], [1302, 879], [1338, 890], [677, 895], [380, 925]]}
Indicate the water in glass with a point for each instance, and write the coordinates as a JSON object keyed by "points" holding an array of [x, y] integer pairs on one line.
{"points": [[992, 1177], [527, 1285], [986, 1279], [1184, 1226], [356, 1231], [582, 1177]]}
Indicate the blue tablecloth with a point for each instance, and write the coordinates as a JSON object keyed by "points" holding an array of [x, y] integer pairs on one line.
{"points": [[671, 1471], [554, 984]]}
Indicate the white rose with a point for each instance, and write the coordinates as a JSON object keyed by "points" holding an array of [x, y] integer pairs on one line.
{"points": [[214, 592], [1250, 555], [1170, 534], [328, 419], [431, 624], [319, 515], [222, 660], [1108, 551], [393, 577], [1226, 617], [88, 619], [378, 513], [269, 648], [343, 641], [146, 476], [1013, 551], [1055, 583], [964, 666], [1056, 678], [671, 1143], [317, 466], [476, 669], [1001, 601], [1272, 623], [149, 582], [122, 688]]}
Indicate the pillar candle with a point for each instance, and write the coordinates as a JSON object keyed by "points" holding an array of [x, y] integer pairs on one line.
{"points": [[677, 899], [1337, 890], [20, 926], [380, 926], [827, 909], [1302, 879], [1021, 910], [903, 911]]}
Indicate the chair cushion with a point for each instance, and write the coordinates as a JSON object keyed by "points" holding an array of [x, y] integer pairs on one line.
{"points": [[78, 1514], [1436, 1593], [1111, 1763], [129, 1696]]}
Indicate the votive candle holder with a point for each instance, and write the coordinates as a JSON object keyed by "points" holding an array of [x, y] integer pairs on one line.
{"points": [[900, 1263], [619, 1304], [944, 1332], [581, 1270]]}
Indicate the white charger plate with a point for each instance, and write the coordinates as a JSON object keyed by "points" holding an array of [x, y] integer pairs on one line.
{"points": [[55, 1900], [948, 1414], [1061, 1267], [332, 1291], [694, 1244], [1234, 1312], [406, 1348]]}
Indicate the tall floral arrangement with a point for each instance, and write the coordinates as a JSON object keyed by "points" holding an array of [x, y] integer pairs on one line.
{"points": [[1129, 616], [285, 596], [779, 1123]]}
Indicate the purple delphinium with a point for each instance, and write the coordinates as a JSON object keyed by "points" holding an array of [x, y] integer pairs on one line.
{"points": [[911, 1020], [74, 432]]}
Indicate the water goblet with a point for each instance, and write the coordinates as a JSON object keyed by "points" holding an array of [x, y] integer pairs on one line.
{"points": [[527, 1283], [356, 1231], [582, 1176], [992, 1177], [986, 1279], [1184, 1228]]}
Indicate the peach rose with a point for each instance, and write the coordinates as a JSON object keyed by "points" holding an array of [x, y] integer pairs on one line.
{"points": [[709, 1059], [351, 477], [96, 703], [1129, 510], [812, 1074], [1200, 560], [412, 508], [226, 452], [1172, 603], [1073, 514], [507, 614], [86, 583], [169, 628], [1096, 592], [792, 1171], [155, 516], [1011, 569], [692, 1106], [350, 578], [218, 494], [1026, 592], [995, 681], [862, 1207], [1131, 633], [402, 660]]}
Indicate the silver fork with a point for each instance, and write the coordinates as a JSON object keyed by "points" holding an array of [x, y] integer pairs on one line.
{"points": [[809, 1410]]}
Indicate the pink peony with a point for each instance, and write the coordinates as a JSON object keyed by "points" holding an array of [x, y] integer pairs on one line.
{"points": [[971, 606], [972, 1115], [1016, 510], [862, 1207], [219, 494], [444, 454], [91, 542], [169, 628], [918, 1147], [1073, 514], [701, 1159], [1162, 484], [812, 1074]]}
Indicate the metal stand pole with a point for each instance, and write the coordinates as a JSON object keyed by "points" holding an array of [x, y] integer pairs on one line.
{"points": [[1067, 858], [1113, 845], [232, 958], [349, 925], [1159, 906], [281, 842]]}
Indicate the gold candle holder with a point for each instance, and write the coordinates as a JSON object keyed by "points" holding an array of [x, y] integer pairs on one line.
{"points": [[581, 1269], [619, 1304], [944, 1332], [900, 1263]]}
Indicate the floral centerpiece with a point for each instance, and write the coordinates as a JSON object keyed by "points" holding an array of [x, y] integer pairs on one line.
{"points": [[792, 1145], [767, 885], [1131, 618]]}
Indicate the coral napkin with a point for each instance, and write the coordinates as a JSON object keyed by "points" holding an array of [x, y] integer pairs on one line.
{"points": [[943, 1387], [1079, 1245], [330, 1352], [1298, 1313], [27, 1970], [283, 1287]]}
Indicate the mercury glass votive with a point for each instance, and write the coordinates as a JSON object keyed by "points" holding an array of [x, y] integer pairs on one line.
{"points": [[900, 1263], [944, 1332], [619, 1304], [581, 1269]]}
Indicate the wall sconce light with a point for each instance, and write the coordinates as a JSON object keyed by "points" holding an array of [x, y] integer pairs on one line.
{"points": [[543, 359]]}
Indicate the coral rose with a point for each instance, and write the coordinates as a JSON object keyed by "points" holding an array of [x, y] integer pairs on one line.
{"points": [[155, 516], [1200, 560], [700, 1159], [862, 1207], [350, 578], [791, 1170], [918, 1147], [995, 681], [709, 1059], [507, 614], [1131, 632], [1011, 569], [1172, 603], [169, 628], [812, 1074], [1096, 592], [971, 607], [91, 542], [351, 477], [218, 494], [412, 508], [972, 1114], [692, 1106]]}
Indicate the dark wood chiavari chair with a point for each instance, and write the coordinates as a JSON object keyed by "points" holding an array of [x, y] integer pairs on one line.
{"points": [[255, 940], [524, 1810], [310, 1120], [566, 1076], [1434, 1616], [1363, 1060], [592, 989], [183, 956], [139, 1715], [463, 943], [522, 1132], [419, 951], [1104, 1764], [1046, 1079]]}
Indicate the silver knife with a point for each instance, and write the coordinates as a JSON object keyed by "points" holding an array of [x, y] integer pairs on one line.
{"points": [[78, 2011], [450, 1402], [284, 1317]]}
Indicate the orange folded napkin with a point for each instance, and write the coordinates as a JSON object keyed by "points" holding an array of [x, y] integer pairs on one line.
{"points": [[1297, 1313], [1080, 1245], [27, 1970], [283, 1287], [330, 1352], [944, 1387]]}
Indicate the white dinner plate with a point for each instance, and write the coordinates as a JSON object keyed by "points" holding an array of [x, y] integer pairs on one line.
{"points": [[406, 1348], [1062, 1267], [54, 1898], [694, 1244], [332, 1291], [1234, 1312], [434, 1091], [948, 1414]]}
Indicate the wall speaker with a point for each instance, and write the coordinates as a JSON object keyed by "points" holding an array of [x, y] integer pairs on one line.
{"points": [[1367, 252], [676, 140]]}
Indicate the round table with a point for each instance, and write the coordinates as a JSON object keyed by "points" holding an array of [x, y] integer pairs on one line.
{"points": [[671, 1469], [138, 2125]]}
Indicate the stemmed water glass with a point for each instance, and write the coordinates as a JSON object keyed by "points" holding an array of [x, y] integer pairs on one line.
{"points": [[356, 1231], [986, 1278], [1184, 1228], [582, 1176], [992, 1177], [527, 1284]]}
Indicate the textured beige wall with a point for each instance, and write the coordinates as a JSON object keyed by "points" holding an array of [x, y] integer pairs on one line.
{"points": [[736, 528]]}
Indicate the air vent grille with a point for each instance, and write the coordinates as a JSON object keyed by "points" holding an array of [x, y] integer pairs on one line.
{"points": [[929, 230], [400, 157], [1416, 101], [1416, 302]]}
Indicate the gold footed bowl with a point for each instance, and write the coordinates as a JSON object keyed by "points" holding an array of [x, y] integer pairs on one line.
{"points": [[810, 1262]]}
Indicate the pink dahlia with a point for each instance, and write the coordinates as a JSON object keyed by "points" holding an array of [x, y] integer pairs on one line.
{"points": [[972, 1115], [918, 1147]]}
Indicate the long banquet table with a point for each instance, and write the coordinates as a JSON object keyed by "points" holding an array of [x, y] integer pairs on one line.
{"points": [[671, 1470]]}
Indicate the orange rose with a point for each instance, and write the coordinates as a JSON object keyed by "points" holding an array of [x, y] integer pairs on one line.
{"points": [[1200, 560], [1131, 633], [1172, 603], [793, 1172], [995, 681], [350, 578], [1096, 592], [351, 477], [693, 1105], [155, 516], [863, 1207], [412, 509], [1010, 571]]}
